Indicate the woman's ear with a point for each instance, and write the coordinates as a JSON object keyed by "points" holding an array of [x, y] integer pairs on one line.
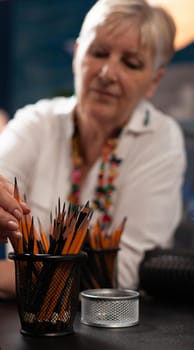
{"points": [[158, 75]]}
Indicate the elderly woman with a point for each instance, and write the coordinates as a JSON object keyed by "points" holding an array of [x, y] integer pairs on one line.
{"points": [[107, 134]]}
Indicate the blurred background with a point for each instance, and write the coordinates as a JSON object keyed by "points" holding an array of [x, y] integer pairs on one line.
{"points": [[37, 38]]}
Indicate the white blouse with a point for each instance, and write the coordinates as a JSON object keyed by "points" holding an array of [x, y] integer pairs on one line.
{"points": [[36, 148]]}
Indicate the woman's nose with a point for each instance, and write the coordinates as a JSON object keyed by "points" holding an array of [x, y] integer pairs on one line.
{"points": [[108, 72]]}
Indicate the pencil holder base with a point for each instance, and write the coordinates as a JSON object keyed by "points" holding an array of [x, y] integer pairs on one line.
{"points": [[54, 334], [47, 290]]}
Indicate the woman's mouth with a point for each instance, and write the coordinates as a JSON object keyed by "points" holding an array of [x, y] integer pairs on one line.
{"points": [[104, 93]]}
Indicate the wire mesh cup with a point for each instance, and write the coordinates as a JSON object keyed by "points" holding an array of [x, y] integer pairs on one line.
{"points": [[111, 308], [98, 271], [47, 291]]}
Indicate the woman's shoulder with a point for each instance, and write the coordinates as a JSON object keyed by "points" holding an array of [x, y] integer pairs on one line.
{"points": [[42, 117], [46, 108]]}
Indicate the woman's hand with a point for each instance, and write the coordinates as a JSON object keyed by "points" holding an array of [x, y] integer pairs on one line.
{"points": [[10, 211]]}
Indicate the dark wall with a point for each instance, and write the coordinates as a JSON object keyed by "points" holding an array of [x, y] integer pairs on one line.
{"points": [[4, 53], [36, 38], [42, 38]]}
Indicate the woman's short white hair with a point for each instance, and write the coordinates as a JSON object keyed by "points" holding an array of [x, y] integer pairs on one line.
{"points": [[157, 27]]}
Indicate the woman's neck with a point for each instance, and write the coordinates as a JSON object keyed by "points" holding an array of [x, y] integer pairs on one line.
{"points": [[93, 137]]}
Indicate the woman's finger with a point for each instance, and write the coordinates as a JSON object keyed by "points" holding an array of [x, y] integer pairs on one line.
{"points": [[11, 205], [11, 234], [8, 222], [8, 202], [3, 240], [10, 211]]}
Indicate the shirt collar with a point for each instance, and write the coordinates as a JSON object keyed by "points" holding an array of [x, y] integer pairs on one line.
{"points": [[142, 120]]}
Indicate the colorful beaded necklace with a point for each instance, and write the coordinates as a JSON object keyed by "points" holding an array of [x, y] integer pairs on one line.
{"points": [[108, 172]]}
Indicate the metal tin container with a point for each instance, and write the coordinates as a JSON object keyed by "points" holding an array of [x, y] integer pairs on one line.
{"points": [[112, 308]]}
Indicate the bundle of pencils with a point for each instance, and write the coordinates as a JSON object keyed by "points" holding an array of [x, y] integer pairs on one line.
{"points": [[47, 269], [67, 233], [100, 238], [102, 249]]}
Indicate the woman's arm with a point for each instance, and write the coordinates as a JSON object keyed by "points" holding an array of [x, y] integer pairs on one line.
{"points": [[7, 279]]}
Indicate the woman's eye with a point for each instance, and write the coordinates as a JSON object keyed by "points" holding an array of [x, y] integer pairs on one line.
{"points": [[99, 53], [133, 65]]}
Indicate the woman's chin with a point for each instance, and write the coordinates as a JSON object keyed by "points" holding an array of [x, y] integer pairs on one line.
{"points": [[103, 113]]}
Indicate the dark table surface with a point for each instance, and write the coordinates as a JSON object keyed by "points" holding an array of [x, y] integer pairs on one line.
{"points": [[163, 326]]}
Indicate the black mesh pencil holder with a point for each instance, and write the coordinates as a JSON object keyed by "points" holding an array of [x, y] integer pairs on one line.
{"points": [[98, 269], [168, 273], [47, 290]]}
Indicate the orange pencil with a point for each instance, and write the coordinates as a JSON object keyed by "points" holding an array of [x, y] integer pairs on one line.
{"points": [[79, 238], [117, 233]]}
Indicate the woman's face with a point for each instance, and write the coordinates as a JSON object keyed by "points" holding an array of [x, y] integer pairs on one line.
{"points": [[113, 72]]}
